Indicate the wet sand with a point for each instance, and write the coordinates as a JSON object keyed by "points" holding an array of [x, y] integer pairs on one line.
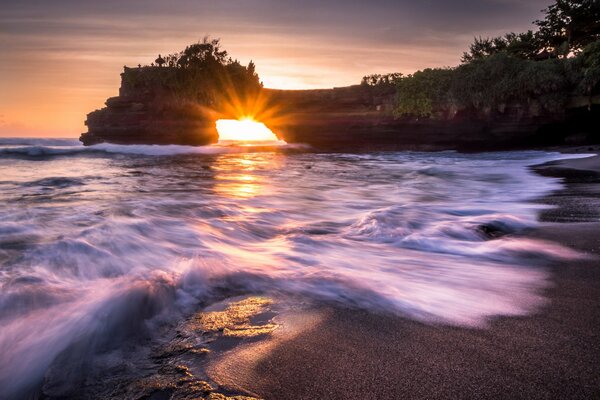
{"points": [[352, 354]]}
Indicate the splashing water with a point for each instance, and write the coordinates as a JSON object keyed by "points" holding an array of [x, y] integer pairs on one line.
{"points": [[97, 243]]}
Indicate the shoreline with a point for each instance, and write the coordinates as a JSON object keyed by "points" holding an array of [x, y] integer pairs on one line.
{"points": [[354, 354], [295, 348]]}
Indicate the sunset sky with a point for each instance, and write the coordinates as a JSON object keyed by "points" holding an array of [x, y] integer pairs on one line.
{"points": [[62, 58]]}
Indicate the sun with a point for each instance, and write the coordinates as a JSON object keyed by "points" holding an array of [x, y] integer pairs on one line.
{"points": [[244, 130]]}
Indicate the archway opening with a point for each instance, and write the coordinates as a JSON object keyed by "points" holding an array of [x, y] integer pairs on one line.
{"points": [[245, 131]]}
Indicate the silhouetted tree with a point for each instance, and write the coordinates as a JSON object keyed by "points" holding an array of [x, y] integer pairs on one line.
{"points": [[378, 79], [569, 26], [537, 71], [202, 73], [202, 54], [251, 69], [522, 45], [171, 60]]}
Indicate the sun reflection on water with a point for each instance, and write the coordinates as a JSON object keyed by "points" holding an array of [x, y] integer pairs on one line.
{"points": [[242, 175]]}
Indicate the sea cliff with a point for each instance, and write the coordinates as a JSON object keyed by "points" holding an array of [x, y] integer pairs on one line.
{"points": [[356, 117]]}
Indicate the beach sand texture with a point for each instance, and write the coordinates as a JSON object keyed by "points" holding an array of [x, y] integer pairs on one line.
{"points": [[350, 354]]}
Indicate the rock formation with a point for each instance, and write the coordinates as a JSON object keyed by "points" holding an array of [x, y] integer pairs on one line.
{"points": [[350, 118], [146, 114]]}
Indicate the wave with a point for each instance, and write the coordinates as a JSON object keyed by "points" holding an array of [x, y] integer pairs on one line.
{"points": [[55, 182], [17, 141], [426, 236], [36, 150]]}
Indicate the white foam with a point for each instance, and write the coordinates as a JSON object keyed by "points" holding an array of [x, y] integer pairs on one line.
{"points": [[133, 241], [40, 149]]}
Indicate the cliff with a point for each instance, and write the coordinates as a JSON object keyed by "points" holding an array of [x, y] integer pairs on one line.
{"points": [[144, 113], [350, 118]]}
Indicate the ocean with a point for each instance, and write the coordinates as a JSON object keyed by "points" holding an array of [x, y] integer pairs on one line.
{"points": [[99, 243]]}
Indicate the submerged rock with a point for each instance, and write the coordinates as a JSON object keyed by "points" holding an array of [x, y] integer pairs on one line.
{"points": [[171, 365]]}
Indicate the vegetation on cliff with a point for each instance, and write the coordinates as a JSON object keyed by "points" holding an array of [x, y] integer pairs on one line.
{"points": [[202, 73], [536, 71]]}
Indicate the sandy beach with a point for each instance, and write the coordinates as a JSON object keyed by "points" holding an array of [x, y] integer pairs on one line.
{"points": [[350, 354]]}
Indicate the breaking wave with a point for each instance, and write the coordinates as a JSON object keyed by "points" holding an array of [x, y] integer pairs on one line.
{"points": [[96, 250], [42, 148]]}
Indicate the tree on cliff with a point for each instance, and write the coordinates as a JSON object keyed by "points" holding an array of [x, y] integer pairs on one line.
{"points": [[251, 70], [423, 93], [569, 26], [172, 59], [378, 79], [589, 69], [202, 54], [523, 45], [533, 72], [160, 61], [202, 73]]}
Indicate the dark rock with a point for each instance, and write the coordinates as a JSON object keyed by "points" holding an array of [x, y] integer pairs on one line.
{"points": [[494, 230], [350, 118]]}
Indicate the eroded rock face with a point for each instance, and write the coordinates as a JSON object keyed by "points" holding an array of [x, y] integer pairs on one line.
{"points": [[350, 118], [360, 118], [149, 120]]}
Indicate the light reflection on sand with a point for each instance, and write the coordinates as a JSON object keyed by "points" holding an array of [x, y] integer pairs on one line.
{"points": [[98, 246]]}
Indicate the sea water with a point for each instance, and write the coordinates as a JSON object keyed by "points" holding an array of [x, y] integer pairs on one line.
{"points": [[99, 241]]}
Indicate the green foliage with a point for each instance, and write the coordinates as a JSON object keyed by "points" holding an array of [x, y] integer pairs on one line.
{"points": [[500, 79], [590, 76], [568, 26], [423, 93], [486, 82], [536, 70], [545, 82], [491, 83]]}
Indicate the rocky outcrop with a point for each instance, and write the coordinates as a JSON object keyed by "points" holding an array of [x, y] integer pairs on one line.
{"points": [[351, 118], [145, 113], [360, 117], [139, 120]]}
